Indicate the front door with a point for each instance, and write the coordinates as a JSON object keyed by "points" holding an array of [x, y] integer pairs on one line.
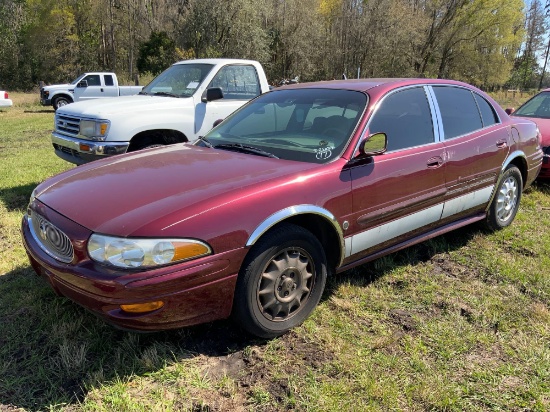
{"points": [[400, 192], [239, 83]]}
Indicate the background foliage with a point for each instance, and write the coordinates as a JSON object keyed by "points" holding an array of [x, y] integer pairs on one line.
{"points": [[485, 42]]}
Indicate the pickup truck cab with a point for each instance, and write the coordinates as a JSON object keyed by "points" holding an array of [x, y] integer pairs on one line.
{"points": [[179, 105], [87, 86]]}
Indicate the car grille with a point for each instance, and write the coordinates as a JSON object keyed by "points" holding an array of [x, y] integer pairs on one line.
{"points": [[67, 125], [67, 150], [50, 239]]}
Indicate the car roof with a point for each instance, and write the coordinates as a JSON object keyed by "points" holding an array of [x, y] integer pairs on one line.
{"points": [[366, 84], [216, 61]]}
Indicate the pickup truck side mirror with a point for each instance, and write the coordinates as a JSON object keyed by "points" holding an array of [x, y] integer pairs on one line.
{"points": [[82, 83], [211, 94], [373, 145]]}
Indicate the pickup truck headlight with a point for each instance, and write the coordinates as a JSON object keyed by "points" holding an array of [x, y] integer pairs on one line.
{"points": [[93, 129], [131, 253]]}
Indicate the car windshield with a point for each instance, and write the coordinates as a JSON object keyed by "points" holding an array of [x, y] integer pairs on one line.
{"points": [[179, 80], [538, 106], [308, 125]]}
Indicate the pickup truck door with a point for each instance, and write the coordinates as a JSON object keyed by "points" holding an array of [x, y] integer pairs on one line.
{"points": [[91, 87], [239, 83]]}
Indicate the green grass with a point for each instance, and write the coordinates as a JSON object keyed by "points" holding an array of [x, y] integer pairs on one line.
{"points": [[458, 323]]}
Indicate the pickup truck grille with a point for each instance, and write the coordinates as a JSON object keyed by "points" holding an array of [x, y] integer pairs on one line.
{"points": [[67, 125]]}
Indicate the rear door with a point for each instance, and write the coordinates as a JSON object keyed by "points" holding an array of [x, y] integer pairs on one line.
{"points": [[400, 192], [476, 146]]}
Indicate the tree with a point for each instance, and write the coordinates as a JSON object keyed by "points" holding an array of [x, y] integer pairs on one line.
{"points": [[156, 54]]}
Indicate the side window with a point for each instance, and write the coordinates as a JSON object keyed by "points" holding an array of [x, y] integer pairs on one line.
{"points": [[458, 109], [488, 114], [406, 119], [93, 80], [238, 82], [109, 80]]}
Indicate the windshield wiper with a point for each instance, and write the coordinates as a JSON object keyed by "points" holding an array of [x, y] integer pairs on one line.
{"points": [[166, 94], [205, 141], [238, 147]]}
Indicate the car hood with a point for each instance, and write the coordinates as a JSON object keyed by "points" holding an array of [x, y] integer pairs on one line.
{"points": [[120, 195], [123, 105], [544, 127], [65, 86]]}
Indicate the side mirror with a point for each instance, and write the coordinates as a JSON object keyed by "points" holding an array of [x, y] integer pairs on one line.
{"points": [[82, 83], [510, 110], [211, 94], [373, 145], [217, 122]]}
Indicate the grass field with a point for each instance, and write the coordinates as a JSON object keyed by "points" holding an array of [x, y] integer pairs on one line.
{"points": [[458, 323]]}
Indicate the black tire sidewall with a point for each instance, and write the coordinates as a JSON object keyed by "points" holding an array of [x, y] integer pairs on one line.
{"points": [[493, 221], [246, 310]]}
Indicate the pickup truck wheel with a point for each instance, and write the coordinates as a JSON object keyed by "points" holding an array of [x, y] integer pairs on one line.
{"points": [[281, 281], [60, 102]]}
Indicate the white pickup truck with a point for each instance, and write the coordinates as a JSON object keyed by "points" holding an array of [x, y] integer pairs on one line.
{"points": [[179, 105], [87, 86]]}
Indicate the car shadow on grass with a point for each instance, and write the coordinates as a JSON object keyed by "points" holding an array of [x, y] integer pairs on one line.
{"points": [[17, 198], [366, 274], [54, 351], [39, 111]]}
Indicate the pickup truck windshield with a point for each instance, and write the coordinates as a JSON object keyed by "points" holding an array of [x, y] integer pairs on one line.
{"points": [[179, 80], [306, 125], [75, 81]]}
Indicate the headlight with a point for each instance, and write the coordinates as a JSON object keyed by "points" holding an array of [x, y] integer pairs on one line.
{"points": [[141, 253], [94, 129]]}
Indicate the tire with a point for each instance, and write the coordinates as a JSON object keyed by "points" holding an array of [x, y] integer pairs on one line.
{"points": [[505, 204], [60, 102], [281, 281]]}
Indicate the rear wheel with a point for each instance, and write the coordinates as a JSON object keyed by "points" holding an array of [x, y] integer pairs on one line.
{"points": [[281, 281], [505, 204]]}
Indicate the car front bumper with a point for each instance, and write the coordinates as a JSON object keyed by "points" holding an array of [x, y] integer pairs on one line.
{"points": [[192, 292], [79, 151]]}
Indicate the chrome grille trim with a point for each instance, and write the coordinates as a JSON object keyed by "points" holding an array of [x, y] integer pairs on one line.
{"points": [[50, 239], [67, 125]]}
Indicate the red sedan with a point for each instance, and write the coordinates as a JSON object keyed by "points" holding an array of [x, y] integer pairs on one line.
{"points": [[302, 183], [537, 109]]}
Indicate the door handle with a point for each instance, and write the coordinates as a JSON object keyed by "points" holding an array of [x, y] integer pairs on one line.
{"points": [[435, 162], [502, 143], [102, 90]]}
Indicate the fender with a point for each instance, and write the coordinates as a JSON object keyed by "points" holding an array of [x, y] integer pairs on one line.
{"points": [[283, 214]]}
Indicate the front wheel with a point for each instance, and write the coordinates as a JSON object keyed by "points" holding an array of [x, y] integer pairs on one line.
{"points": [[60, 102], [505, 204], [281, 281]]}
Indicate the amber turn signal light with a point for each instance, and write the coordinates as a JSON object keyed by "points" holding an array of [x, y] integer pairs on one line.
{"points": [[142, 307]]}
